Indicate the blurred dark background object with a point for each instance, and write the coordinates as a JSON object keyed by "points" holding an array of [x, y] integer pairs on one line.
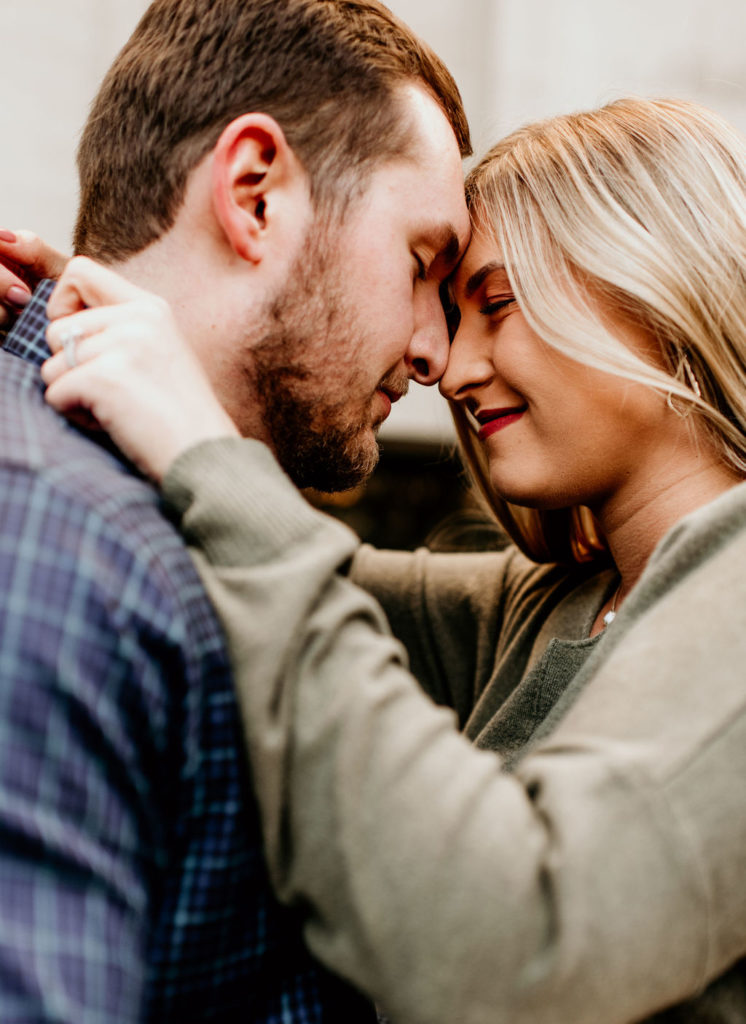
{"points": [[419, 494]]}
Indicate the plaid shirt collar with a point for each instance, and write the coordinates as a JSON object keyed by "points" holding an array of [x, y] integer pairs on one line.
{"points": [[27, 339], [27, 336]]}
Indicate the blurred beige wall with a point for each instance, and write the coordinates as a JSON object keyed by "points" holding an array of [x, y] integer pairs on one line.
{"points": [[54, 56], [515, 60]]}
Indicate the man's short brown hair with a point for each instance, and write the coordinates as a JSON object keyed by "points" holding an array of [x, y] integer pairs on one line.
{"points": [[325, 70]]}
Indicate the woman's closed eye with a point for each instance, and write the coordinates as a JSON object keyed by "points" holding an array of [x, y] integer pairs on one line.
{"points": [[493, 306]]}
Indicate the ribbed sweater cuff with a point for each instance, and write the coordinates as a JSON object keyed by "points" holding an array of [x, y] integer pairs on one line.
{"points": [[229, 490]]}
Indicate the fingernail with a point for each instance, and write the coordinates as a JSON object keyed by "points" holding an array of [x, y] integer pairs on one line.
{"points": [[18, 296], [7, 236]]}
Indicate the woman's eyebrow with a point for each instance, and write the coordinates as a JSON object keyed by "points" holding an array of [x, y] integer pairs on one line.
{"points": [[479, 276]]}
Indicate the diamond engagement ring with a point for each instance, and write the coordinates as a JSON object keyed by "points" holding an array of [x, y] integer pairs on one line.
{"points": [[70, 339]]}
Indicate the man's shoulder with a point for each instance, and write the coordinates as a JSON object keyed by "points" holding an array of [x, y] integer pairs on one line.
{"points": [[66, 498]]}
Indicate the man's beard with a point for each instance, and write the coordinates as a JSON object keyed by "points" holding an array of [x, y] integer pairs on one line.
{"points": [[306, 349]]}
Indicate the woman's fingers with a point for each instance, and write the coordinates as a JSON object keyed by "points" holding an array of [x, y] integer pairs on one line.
{"points": [[90, 386], [86, 283], [109, 388], [31, 255], [14, 292], [151, 417], [85, 347], [25, 259], [89, 322]]}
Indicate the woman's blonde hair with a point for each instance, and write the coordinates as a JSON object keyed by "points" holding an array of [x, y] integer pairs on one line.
{"points": [[637, 208]]}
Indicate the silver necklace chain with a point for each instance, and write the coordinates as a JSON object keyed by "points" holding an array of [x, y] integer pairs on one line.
{"points": [[611, 613]]}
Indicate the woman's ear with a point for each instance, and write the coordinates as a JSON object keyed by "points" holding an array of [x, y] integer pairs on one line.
{"points": [[252, 170]]}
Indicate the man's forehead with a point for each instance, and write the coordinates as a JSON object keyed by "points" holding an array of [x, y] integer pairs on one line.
{"points": [[433, 151]]}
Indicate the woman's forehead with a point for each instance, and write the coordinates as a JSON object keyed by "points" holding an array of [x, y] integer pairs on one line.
{"points": [[482, 259]]}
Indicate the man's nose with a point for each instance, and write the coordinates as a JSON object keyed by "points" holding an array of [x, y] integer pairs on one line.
{"points": [[427, 354]]}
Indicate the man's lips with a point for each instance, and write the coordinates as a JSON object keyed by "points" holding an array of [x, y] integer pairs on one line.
{"points": [[388, 396], [492, 420]]}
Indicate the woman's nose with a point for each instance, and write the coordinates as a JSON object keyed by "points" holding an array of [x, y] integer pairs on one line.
{"points": [[468, 367]]}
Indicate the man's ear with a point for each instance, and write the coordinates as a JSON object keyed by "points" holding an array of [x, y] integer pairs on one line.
{"points": [[253, 169]]}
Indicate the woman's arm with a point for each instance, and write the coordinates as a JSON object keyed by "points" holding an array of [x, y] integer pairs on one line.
{"points": [[448, 609], [442, 886]]}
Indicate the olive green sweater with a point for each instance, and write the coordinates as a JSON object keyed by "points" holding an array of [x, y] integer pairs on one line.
{"points": [[598, 881]]}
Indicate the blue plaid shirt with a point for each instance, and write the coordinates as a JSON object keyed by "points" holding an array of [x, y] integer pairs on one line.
{"points": [[132, 886]]}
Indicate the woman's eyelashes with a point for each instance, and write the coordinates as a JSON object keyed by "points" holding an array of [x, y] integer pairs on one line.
{"points": [[493, 306]]}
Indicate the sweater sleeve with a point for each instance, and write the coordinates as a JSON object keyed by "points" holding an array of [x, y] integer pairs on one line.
{"points": [[444, 887], [448, 611]]}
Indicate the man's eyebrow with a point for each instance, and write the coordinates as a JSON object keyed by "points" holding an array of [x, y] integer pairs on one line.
{"points": [[451, 247], [480, 276], [445, 241]]}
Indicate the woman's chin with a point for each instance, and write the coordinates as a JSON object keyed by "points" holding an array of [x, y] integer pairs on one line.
{"points": [[538, 498], [518, 492]]}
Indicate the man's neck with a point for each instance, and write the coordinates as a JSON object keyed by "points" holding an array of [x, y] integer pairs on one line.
{"points": [[176, 275], [213, 308]]}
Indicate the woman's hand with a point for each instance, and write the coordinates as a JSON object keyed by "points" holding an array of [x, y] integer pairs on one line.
{"points": [[24, 261], [122, 365]]}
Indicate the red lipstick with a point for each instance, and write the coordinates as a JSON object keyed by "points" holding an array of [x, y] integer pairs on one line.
{"points": [[492, 420]]}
